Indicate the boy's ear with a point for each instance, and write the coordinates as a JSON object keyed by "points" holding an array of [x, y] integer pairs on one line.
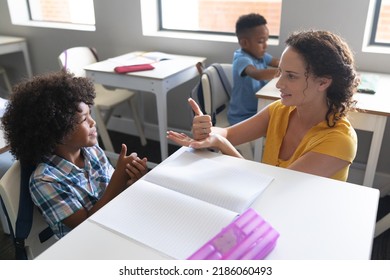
{"points": [[243, 42]]}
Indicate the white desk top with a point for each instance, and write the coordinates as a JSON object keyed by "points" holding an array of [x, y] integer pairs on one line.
{"points": [[167, 75], [372, 103], [317, 218], [10, 40], [163, 69]]}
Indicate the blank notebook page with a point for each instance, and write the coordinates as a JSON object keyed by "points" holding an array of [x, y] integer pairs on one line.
{"points": [[170, 222], [219, 183]]}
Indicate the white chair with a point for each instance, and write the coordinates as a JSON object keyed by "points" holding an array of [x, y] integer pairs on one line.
{"points": [[9, 192], [74, 60], [215, 97], [6, 161]]}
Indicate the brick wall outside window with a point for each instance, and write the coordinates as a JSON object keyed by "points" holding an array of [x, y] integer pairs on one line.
{"points": [[55, 11], [383, 32], [220, 15]]}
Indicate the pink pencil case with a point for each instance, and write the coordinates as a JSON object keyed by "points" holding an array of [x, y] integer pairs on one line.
{"points": [[133, 68], [249, 237]]}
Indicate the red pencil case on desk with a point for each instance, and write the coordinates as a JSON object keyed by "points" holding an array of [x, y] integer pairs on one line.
{"points": [[249, 237], [133, 68]]}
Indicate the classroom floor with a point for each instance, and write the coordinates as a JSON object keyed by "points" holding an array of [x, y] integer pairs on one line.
{"points": [[381, 245]]}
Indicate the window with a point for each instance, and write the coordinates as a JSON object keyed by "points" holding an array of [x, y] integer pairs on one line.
{"points": [[206, 19], [377, 32], [65, 14], [216, 16], [381, 23]]}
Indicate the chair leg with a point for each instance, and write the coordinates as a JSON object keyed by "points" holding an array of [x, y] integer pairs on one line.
{"points": [[3, 219], [382, 225], [102, 129], [107, 114], [137, 120]]}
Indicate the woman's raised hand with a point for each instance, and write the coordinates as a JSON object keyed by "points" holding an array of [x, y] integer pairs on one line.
{"points": [[201, 124]]}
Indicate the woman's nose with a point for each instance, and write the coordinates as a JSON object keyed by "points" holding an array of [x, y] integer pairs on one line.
{"points": [[279, 83]]}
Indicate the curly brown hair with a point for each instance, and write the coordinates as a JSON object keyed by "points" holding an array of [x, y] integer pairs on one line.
{"points": [[328, 55], [42, 111]]}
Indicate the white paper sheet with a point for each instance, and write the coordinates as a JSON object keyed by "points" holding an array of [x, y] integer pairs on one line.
{"points": [[170, 222], [182, 203], [228, 186]]}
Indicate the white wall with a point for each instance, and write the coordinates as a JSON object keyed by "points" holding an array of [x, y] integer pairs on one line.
{"points": [[118, 30]]}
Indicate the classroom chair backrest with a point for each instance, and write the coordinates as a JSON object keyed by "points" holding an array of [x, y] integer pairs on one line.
{"points": [[10, 195], [216, 91], [217, 84], [75, 59]]}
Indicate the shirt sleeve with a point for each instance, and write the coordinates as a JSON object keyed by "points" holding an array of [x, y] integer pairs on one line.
{"points": [[241, 64], [53, 198], [267, 58], [340, 143]]}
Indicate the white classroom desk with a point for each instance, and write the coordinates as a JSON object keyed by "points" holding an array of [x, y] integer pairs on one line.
{"points": [[376, 109], [10, 44], [317, 218], [167, 75]]}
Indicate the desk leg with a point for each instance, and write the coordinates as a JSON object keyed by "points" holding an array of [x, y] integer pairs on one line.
{"points": [[27, 59], [161, 98], [258, 151], [259, 143], [375, 148]]}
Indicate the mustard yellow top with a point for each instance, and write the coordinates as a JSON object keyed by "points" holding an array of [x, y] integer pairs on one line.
{"points": [[339, 141]]}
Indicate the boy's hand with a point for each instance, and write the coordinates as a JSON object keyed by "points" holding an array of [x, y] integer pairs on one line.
{"points": [[201, 124], [136, 168], [130, 167]]}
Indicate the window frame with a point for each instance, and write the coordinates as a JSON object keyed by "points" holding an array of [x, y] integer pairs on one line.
{"points": [[19, 11], [369, 43], [151, 26], [161, 28], [375, 21]]}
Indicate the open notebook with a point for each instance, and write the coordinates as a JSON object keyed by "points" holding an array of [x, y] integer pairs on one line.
{"points": [[182, 203], [139, 58]]}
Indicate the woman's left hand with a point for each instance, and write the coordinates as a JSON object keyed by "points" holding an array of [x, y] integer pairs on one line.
{"points": [[179, 138], [212, 141]]}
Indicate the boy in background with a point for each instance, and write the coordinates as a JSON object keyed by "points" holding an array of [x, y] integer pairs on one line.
{"points": [[250, 66]]}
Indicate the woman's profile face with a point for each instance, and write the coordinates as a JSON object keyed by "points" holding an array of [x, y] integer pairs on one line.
{"points": [[296, 86]]}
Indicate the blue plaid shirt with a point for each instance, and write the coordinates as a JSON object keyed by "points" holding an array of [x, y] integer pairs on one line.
{"points": [[60, 188]]}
